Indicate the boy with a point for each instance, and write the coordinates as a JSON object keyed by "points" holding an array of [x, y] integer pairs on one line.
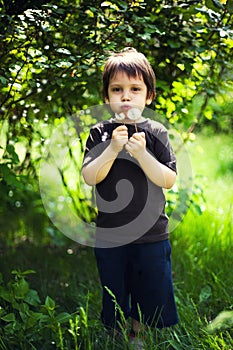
{"points": [[129, 162]]}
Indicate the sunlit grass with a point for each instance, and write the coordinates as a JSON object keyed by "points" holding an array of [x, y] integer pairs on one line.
{"points": [[202, 259], [202, 246], [202, 269], [212, 157]]}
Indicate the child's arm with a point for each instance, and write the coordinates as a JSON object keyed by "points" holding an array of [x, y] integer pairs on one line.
{"points": [[157, 172], [98, 169]]}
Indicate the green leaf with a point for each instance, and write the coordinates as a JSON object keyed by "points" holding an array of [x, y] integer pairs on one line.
{"points": [[9, 318], [145, 36], [6, 295], [213, 4], [11, 151], [44, 318], [229, 6], [174, 44], [8, 176], [50, 303], [36, 316], [218, 4], [175, 345], [197, 208], [24, 311], [27, 272], [21, 289], [20, 274], [63, 64], [32, 298], [63, 317], [3, 80], [64, 51]]}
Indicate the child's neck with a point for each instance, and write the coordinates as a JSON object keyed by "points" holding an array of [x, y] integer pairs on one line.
{"points": [[129, 121]]}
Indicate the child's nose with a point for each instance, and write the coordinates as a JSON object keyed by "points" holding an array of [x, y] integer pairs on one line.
{"points": [[125, 96]]}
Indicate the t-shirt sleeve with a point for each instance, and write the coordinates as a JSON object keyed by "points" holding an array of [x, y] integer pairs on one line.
{"points": [[96, 143], [163, 150]]}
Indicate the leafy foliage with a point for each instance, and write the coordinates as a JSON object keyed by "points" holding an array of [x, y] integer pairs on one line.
{"points": [[26, 321], [51, 63], [51, 56], [20, 314]]}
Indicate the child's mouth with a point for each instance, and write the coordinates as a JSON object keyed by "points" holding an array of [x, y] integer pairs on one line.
{"points": [[126, 108]]}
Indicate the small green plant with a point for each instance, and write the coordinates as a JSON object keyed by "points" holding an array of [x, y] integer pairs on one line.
{"points": [[118, 310], [84, 326], [25, 321], [74, 331]]}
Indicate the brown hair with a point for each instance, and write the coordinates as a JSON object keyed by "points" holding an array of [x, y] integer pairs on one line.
{"points": [[134, 64]]}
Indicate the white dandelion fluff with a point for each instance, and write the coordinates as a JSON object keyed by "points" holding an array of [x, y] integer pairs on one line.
{"points": [[120, 116], [134, 114]]}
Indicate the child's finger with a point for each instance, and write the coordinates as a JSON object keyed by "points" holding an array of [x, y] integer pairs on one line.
{"points": [[120, 133], [121, 128], [136, 137], [139, 135], [142, 134]]}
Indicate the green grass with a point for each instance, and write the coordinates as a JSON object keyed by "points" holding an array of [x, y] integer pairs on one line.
{"points": [[202, 246], [202, 268], [212, 157]]}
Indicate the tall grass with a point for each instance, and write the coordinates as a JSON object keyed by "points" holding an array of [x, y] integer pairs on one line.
{"points": [[202, 270], [202, 257], [202, 246]]}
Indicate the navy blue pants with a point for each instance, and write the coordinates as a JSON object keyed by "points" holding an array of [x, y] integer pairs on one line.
{"points": [[140, 278]]}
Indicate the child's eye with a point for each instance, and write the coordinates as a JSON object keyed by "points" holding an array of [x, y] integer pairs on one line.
{"points": [[116, 89], [135, 89]]}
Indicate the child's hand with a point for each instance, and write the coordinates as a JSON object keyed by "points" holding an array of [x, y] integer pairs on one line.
{"points": [[136, 145], [119, 138]]}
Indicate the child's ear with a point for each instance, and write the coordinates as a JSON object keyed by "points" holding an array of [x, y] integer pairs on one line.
{"points": [[106, 100], [149, 99]]}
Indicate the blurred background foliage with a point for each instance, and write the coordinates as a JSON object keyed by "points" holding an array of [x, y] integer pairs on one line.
{"points": [[51, 59]]}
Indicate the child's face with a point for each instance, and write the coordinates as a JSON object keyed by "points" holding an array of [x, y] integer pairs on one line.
{"points": [[126, 92]]}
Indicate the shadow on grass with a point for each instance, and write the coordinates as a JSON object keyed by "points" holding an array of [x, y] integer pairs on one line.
{"points": [[66, 274]]}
